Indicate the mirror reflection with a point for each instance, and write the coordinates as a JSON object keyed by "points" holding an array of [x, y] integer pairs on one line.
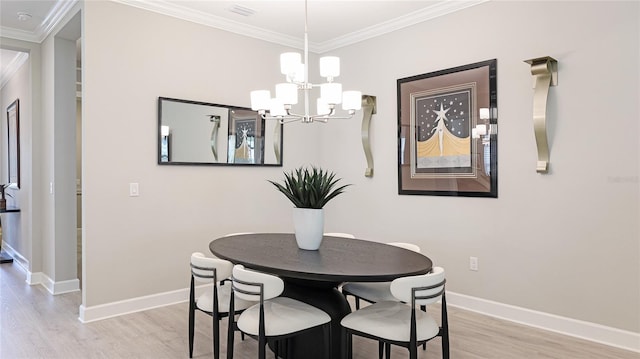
{"points": [[201, 133]]}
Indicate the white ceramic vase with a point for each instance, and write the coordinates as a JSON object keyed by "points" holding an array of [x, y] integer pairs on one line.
{"points": [[309, 227]]}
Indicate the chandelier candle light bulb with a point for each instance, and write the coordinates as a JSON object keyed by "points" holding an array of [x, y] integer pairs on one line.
{"points": [[330, 67], [297, 76]]}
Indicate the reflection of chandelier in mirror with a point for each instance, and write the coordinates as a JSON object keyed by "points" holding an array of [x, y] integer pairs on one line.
{"points": [[297, 75]]}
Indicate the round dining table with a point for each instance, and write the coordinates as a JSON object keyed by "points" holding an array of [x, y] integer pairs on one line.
{"points": [[313, 276]]}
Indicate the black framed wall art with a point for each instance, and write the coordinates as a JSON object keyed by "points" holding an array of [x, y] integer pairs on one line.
{"points": [[447, 132]]}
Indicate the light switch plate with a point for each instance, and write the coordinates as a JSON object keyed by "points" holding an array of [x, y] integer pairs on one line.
{"points": [[133, 190]]}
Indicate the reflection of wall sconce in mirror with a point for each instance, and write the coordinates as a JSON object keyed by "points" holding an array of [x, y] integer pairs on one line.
{"points": [[214, 135], [368, 109], [164, 145], [545, 74], [277, 140], [483, 130]]}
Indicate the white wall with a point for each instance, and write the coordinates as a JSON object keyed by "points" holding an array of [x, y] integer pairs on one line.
{"points": [[565, 243]]}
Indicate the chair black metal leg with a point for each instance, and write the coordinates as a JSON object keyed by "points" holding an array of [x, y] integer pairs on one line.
{"points": [[230, 332], [216, 337], [424, 309], [445, 328], [191, 331], [357, 303], [413, 352], [387, 348], [380, 349], [192, 314], [262, 346]]}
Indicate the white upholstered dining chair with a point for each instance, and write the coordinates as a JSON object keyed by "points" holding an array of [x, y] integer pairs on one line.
{"points": [[273, 317], [400, 322], [214, 302], [374, 292]]}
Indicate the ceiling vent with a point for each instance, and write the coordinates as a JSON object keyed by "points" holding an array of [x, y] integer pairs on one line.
{"points": [[241, 10]]}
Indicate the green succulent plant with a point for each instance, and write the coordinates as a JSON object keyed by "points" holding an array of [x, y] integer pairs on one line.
{"points": [[310, 188]]}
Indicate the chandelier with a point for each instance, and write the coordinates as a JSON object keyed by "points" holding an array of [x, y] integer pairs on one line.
{"points": [[297, 76]]}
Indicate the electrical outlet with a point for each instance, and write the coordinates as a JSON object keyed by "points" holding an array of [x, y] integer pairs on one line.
{"points": [[473, 263]]}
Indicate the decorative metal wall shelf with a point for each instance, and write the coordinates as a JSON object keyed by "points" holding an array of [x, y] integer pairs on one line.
{"points": [[545, 74]]}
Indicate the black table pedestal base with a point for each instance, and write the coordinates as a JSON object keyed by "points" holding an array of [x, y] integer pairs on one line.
{"points": [[328, 298]]}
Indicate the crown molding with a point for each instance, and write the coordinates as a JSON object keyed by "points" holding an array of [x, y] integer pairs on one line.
{"points": [[12, 67], [57, 13], [18, 34], [172, 9], [203, 18], [431, 12]]}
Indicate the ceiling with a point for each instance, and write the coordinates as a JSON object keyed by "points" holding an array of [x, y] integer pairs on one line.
{"points": [[331, 23]]}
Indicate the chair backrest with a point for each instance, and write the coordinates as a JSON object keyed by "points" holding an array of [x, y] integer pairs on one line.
{"points": [[409, 246], [204, 268], [428, 287], [249, 284], [342, 235]]}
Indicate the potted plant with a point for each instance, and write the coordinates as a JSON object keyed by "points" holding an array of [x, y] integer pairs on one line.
{"points": [[309, 189]]}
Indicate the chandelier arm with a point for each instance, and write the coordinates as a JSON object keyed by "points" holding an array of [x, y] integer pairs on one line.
{"points": [[285, 121], [297, 115], [281, 119], [325, 117]]}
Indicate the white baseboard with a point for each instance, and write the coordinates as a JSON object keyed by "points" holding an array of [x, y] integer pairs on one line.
{"points": [[22, 262], [554, 323], [60, 287], [23, 265], [109, 310], [36, 278]]}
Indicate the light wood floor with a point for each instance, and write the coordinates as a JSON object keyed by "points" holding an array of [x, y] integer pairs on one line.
{"points": [[35, 324]]}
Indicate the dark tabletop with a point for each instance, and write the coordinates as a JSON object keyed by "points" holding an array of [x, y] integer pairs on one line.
{"points": [[9, 209], [337, 260]]}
